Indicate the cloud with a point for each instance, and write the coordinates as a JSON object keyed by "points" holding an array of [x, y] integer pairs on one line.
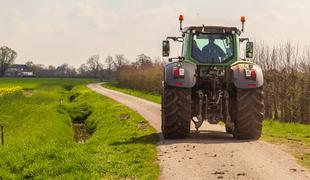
{"points": [[11, 22], [273, 16], [94, 14], [127, 15], [52, 32]]}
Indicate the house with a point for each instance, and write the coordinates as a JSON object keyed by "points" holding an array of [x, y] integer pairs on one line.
{"points": [[19, 70]]}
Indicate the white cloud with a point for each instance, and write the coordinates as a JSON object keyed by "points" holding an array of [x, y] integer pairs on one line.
{"points": [[10, 21], [95, 14], [126, 16]]}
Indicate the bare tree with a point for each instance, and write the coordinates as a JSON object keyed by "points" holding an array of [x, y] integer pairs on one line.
{"points": [[29, 64], [120, 61], [144, 61], [37, 69], [83, 70], [7, 57], [109, 62], [65, 70], [94, 65]]}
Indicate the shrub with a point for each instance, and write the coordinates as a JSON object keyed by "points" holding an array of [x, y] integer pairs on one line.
{"points": [[141, 78], [79, 112], [10, 90]]}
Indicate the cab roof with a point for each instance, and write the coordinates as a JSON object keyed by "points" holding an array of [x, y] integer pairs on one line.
{"points": [[212, 29]]}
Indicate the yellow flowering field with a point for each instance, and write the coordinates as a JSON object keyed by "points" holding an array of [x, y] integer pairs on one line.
{"points": [[10, 90]]}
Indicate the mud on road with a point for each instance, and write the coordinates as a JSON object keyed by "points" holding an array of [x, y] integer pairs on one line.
{"points": [[212, 154]]}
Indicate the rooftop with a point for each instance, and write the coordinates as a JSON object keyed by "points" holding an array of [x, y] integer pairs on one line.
{"points": [[212, 29], [22, 67]]}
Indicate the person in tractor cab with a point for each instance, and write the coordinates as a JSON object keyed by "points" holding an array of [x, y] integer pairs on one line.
{"points": [[196, 52], [212, 52]]}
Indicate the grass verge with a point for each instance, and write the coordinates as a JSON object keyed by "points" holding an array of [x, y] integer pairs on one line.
{"points": [[141, 94], [39, 135], [293, 138]]}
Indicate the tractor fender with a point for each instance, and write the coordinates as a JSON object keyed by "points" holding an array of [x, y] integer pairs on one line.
{"points": [[189, 79], [241, 81]]}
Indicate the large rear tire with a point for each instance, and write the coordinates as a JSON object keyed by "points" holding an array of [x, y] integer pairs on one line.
{"points": [[249, 114], [176, 112]]}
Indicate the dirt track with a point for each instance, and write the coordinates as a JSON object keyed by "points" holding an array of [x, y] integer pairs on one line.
{"points": [[212, 154]]}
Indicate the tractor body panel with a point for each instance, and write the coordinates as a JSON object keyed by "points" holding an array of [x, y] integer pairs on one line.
{"points": [[186, 80], [239, 75]]}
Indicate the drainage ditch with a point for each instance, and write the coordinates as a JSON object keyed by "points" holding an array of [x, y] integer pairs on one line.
{"points": [[79, 113], [81, 132]]}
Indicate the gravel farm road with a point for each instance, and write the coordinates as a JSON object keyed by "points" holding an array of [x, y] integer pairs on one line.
{"points": [[212, 154]]}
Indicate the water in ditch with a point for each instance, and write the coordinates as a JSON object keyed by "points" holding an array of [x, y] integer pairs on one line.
{"points": [[81, 132]]}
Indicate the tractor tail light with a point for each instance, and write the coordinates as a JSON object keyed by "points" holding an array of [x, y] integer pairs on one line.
{"points": [[253, 74], [250, 74], [178, 73]]}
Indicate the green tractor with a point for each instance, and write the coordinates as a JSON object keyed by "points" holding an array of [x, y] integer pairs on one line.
{"points": [[212, 81]]}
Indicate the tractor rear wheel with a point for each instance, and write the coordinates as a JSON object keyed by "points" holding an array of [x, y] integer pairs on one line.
{"points": [[176, 112], [249, 113]]}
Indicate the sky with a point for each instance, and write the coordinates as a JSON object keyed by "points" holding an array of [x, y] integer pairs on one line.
{"points": [[52, 32]]}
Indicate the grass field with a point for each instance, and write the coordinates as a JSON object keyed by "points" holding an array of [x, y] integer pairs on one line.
{"points": [[295, 137], [39, 134]]}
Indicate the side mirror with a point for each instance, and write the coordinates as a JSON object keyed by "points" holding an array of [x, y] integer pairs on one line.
{"points": [[249, 50], [166, 48]]}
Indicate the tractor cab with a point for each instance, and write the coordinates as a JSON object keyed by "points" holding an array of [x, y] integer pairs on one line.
{"points": [[211, 45]]}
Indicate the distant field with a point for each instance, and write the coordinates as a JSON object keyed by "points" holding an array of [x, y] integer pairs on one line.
{"points": [[295, 137], [40, 138]]}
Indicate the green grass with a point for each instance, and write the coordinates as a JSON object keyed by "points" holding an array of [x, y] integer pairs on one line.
{"points": [[290, 131], [141, 94], [39, 137], [291, 134], [35, 83], [295, 136]]}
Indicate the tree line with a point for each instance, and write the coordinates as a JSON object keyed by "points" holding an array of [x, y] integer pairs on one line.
{"points": [[286, 79], [94, 67], [286, 76]]}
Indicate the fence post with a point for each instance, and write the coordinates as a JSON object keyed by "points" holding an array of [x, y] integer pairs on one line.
{"points": [[2, 135]]}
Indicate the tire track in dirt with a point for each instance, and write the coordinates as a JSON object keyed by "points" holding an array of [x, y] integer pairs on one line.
{"points": [[212, 154]]}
